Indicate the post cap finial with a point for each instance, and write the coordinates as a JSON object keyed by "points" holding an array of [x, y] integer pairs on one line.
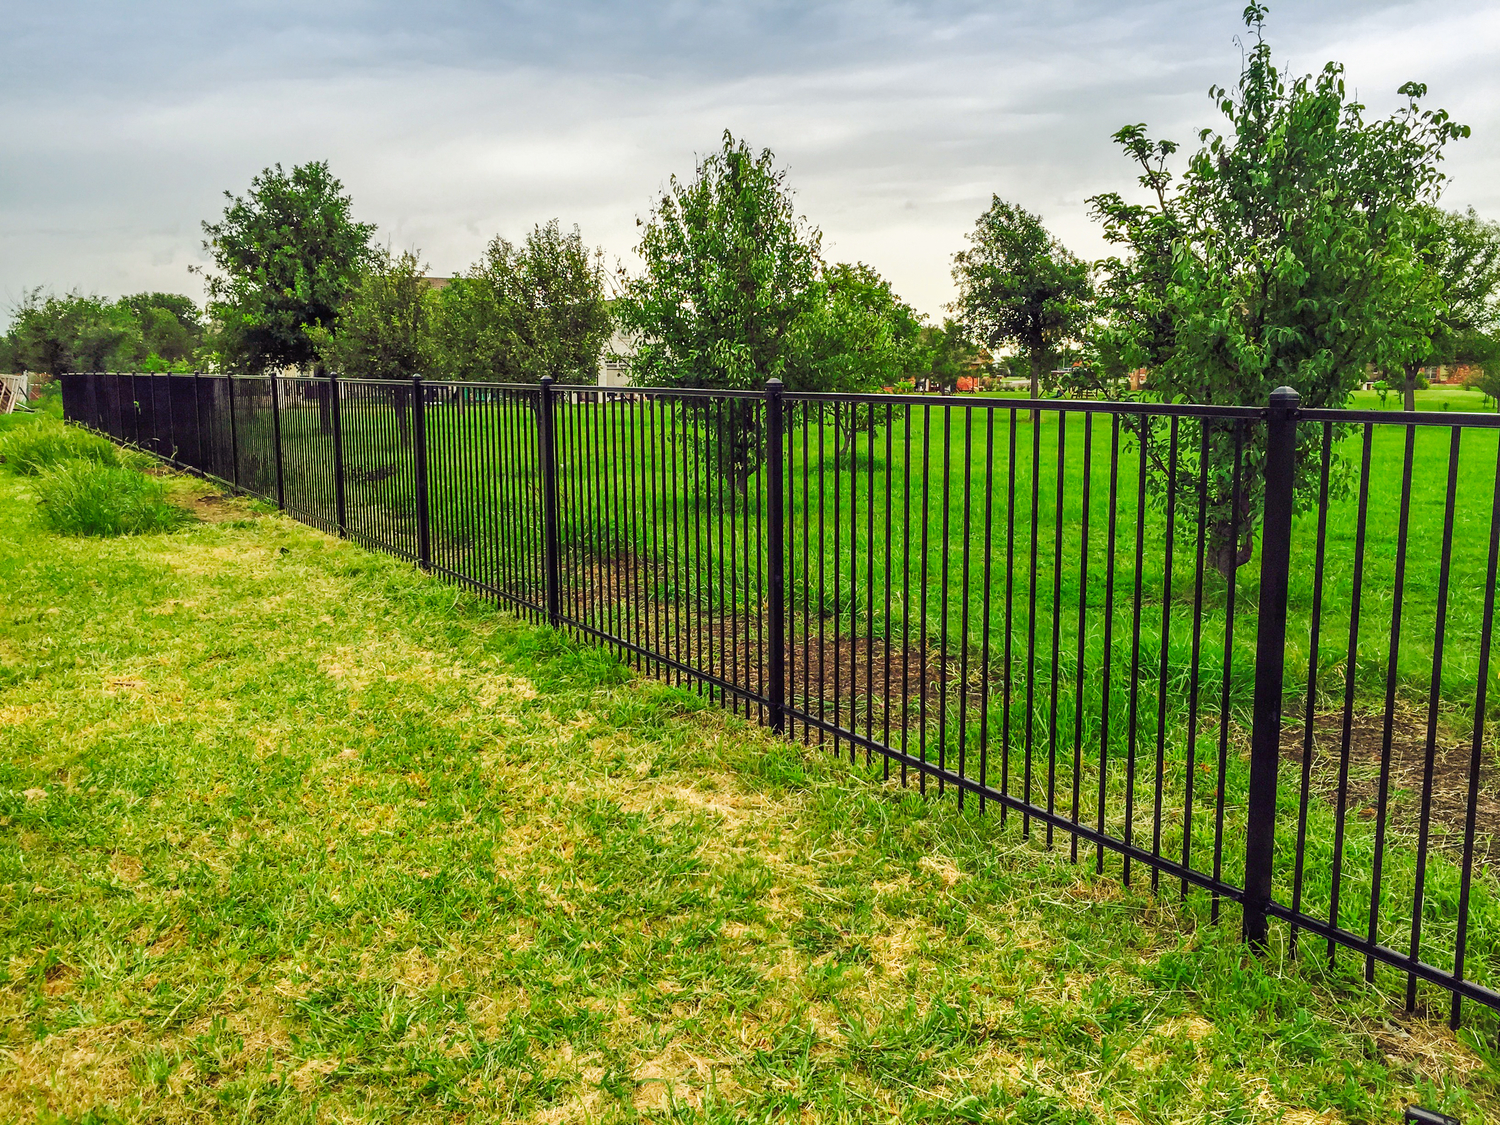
{"points": [[1285, 396]]}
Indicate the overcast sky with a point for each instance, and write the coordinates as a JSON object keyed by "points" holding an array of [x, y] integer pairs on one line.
{"points": [[121, 124]]}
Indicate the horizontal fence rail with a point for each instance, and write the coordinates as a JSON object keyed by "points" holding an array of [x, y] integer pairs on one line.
{"points": [[1243, 651]]}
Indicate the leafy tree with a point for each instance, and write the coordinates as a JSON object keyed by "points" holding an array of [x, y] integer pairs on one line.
{"points": [[171, 327], [730, 285], [730, 270], [1486, 380], [947, 353], [525, 311], [383, 328], [859, 338], [1287, 253], [1462, 254], [1020, 286], [289, 254], [73, 332]]}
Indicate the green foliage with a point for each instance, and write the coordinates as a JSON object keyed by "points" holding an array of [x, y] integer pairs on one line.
{"points": [[1487, 382], [735, 293], [859, 338], [523, 312], [1287, 254], [33, 449], [289, 254], [948, 353], [91, 498], [1020, 286], [171, 327], [731, 273], [1461, 253], [383, 328], [74, 332]]}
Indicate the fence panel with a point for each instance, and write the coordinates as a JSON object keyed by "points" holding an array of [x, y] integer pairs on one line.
{"points": [[1051, 607], [182, 407], [1388, 807], [661, 534], [304, 411], [484, 489], [379, 464]]}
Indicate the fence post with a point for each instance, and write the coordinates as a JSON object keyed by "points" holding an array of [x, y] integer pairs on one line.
{"points": [[1270, 656], [546, 433], [419, 451], [275, 435], [776, 554], [234, 437], [338, 454]]}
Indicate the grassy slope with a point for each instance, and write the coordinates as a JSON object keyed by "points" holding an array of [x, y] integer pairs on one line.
{"points": [[288, 832]]}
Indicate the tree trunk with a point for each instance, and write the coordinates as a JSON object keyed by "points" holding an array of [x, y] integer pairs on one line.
{"points": [[1229, 557], [401, 403], [1036, 377], [325, 401], [1410, 388]]}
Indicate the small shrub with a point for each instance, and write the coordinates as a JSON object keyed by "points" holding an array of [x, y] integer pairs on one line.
{"points": [[33, 449], [89, 498]]}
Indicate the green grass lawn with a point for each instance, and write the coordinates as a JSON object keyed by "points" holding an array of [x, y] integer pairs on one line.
{"points": [[289, 832]]}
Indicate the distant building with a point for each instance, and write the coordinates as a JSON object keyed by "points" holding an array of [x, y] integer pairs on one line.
{"points": [[1451, 373], [614, 360]]}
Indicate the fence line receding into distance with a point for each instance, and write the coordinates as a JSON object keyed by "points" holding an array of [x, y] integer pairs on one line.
{"points": [[1024, 603]]}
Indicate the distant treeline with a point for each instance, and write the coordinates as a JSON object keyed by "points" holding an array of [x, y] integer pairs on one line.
{"points": [[77, 332]]}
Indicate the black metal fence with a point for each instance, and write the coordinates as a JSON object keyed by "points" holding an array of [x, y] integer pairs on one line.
{"points": [[1047, 607]]}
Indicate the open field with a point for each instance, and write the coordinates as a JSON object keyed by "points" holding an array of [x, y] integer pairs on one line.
{"points": [[292, 833]]}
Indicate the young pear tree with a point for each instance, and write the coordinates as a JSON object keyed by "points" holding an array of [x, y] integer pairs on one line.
{"points": [[525, 311], [731, 278], [1287, 253]]}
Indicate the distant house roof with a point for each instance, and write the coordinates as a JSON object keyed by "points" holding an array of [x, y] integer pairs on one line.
{"points": [[437, 282]]}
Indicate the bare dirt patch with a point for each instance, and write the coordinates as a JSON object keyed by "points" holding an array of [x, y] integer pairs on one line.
{"points": [[214, 507], [1407, 778]]}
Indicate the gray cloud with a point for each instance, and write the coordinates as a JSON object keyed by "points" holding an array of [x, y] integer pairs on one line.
{"points": [[122, 124]]}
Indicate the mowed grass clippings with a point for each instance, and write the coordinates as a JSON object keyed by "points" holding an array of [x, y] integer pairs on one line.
{"points": [[291, 833]]}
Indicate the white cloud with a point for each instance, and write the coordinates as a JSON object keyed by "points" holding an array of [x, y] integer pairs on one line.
{"points": [[451, 122]]}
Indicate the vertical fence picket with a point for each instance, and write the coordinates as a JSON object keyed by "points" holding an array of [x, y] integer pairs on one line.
{"points": [[335, 408], [276, 440], [419, 458], [775, 570], [547, 453]]}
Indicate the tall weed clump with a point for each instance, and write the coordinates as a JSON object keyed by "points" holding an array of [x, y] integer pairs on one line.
{"points": [[89, 498], [31, 450]]}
